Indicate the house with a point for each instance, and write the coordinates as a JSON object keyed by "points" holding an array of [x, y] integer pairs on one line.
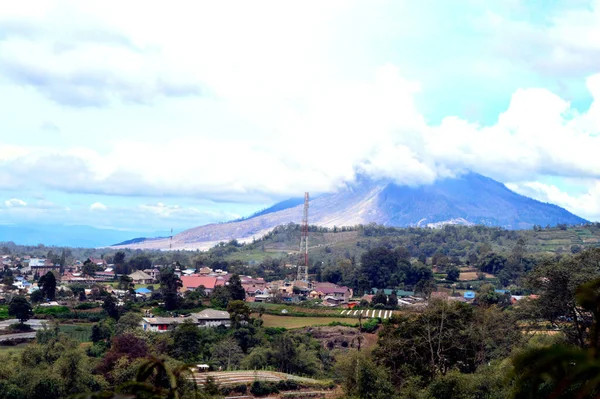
{"points": [[254, 286], [104, 276], [98, 262], [332, 301], [139, 277], [143, 291], [468, 295], [41, 266], [194, 281], [205, 271], [161, 324], [399, 293], [212, 318], [154, 273], [328, 289]]}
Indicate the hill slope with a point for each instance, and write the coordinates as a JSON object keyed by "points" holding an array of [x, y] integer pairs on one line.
{"points": [[469, 199]]}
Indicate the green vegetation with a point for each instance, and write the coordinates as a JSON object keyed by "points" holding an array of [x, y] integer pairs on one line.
{"points": [[298, 322]]}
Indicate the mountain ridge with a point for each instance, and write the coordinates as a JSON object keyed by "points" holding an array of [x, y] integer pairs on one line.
{"points": [[467, 199]]}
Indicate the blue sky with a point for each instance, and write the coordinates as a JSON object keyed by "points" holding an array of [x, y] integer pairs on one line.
{"points": [[150, 116]]}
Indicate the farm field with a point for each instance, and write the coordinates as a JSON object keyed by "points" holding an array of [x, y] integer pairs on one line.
{"points": [[470, 276], [299, 322], [78, 332]]}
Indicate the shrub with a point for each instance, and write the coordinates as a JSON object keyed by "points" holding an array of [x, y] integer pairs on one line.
{"points": [[86, 305], [259, 388], [287, 385], [370, 325], [20, 327]]}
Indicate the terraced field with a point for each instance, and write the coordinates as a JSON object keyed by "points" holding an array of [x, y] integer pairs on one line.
{"points": [[249, 376]]}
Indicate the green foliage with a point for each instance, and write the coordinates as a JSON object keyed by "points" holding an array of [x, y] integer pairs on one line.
{"points": [[189, 342], [220, 297], [239, 313], [48, 285], [361, 378], [110, 307], [453, 274], [236, 291], [20, 308], [260, 388], [169, 287], [446, 336]]}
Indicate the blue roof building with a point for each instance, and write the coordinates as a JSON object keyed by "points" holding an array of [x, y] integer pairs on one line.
{"points": [[142, 291], [469, 295]]}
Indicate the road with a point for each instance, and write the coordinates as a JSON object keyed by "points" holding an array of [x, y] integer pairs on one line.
{"points": [[17, 336], [36, 324]]}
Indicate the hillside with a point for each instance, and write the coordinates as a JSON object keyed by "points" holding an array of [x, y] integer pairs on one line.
{"points": [[470, 199]]}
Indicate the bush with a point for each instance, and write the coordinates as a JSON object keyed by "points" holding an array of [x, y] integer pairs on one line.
{"points": [[370, 325], [287, 385], [259, 388], [20, 327], [87, 305], [51, 310]]}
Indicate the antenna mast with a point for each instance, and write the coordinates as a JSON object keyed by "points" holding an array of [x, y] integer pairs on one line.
{"points": [[303, 264]]}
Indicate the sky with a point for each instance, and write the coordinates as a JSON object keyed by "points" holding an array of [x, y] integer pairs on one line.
{"points": [[148, 116]]}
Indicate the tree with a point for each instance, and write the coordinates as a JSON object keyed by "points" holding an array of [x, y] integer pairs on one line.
{"points": [[239, 313], [20, 308], [556, 283], [37, 296], [428, 344], [236, 291], [47, 285], [220, 297], [110, 307], [361, 378], [119, 258], [227, 354], [487, 295], [453, 274], [564, 371], [125, 282], [379, 298], [130, 321], [170, 284], [89, 268], [393, 299], [187, 342]]}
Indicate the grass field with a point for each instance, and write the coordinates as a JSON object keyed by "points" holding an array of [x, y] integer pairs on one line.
{"points": [[470, 276], [16, 349], [79, 332], [299, 322]]}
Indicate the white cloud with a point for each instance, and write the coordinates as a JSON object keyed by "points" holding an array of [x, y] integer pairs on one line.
{"points": [[98, 206], [586, 205], [15, 203], [268, 107]]}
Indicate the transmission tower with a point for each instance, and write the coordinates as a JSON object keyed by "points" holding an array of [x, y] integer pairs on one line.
{"points": [[303, 261]]}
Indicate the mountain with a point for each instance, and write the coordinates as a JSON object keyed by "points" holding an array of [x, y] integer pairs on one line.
{"points": [[468, 199], [65, 235]]}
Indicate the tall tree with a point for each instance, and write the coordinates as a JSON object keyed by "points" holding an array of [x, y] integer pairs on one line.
{"points": [[239, 313], [20, 308], [110, 307], [236, 290], [48, 285], [170, 284]]}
